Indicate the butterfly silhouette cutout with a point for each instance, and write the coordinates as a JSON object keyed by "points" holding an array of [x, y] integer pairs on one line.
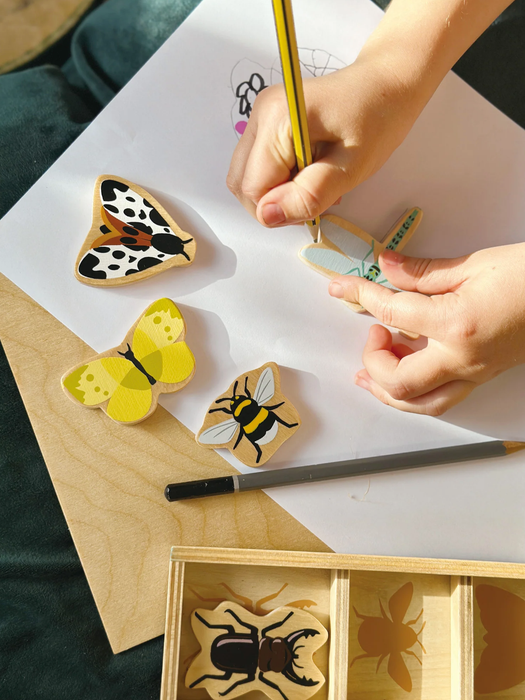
{"points": [[125, 382], [502, 662]]}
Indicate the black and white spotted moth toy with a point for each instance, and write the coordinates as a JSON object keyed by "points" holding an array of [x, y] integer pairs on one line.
{"points": [[132, 236]]}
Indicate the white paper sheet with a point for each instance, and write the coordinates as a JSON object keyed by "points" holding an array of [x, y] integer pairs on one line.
{"points": [[247, 299]]}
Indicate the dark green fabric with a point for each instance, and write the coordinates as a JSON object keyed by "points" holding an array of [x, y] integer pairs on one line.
{"points": [[43, 109], [52, 644]]}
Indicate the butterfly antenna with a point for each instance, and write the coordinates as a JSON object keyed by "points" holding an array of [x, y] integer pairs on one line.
{"points": [[125, 353]]}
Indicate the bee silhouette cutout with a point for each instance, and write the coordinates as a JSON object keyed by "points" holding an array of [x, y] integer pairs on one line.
{"points": [[259, 428], [381, 636], [125, 382], [345, 249], [242, 652], [132, 237], [502, 661]]}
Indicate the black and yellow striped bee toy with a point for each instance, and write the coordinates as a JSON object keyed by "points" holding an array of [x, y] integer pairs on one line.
{"points": [[252, 418]]}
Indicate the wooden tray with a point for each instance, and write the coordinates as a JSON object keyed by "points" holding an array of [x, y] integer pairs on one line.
{"points": [[340, 590]]}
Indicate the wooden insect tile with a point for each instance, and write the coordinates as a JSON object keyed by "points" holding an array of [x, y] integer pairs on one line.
{"points": [[345, 249], [132, 237], [125, 382], [499, 639], [241, 652], [261, 417]]}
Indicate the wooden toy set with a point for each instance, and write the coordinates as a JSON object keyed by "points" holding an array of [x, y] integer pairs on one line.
{"points": [[294, 625]]}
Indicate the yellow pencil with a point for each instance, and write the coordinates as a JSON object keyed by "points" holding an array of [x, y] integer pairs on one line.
{"points": [[293, 84]]}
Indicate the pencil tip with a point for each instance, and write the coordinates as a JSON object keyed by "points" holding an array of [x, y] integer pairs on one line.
{"points": [[513, 446]]}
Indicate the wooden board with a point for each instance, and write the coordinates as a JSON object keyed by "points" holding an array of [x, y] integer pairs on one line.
{"points": [[110, 481]]}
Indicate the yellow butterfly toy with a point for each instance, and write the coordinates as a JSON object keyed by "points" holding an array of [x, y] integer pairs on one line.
{"points": [[125, 382]]}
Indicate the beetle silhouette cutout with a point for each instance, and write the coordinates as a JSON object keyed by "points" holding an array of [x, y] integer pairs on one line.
{"points": [[255, 607], [258, 427], [242, 652], [125, 382], [381, 636], [132, 237], [345, 249], [502, 661]]}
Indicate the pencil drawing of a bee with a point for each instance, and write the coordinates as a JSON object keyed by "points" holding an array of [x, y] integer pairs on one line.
{"points": [[255, 420]]}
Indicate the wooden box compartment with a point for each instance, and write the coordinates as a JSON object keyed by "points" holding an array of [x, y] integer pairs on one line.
{"points": [[499, 638], [398, 627]]}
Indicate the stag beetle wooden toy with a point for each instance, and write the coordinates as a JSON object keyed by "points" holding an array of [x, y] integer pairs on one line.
{"points": [[235, 642]]}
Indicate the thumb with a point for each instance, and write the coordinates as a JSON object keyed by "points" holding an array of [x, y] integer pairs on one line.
{"points": [[309, 194], [424, 275]]}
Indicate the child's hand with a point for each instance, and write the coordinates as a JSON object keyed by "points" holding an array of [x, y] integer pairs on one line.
{"points": [[357, 117], [474, 319]]}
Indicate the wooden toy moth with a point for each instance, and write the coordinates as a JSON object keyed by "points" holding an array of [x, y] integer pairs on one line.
{"points": [[132, 237], [125, 382]]}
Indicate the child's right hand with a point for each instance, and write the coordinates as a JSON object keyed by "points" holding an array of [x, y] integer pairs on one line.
{"points": [[357, 117]]}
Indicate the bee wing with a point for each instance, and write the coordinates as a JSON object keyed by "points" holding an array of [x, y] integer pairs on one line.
{"points": [[265, 388], [398, 671], [219, 434], [399, 602]]}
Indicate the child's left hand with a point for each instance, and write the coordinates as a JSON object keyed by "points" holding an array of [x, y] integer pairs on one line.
{"points": [[473, 317]]}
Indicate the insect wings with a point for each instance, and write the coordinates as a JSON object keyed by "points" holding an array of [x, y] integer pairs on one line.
{"points": [[222, 433]]}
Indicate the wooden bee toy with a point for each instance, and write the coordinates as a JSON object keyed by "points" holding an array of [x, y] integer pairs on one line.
{"points": [[242, 652], [260, 428]]}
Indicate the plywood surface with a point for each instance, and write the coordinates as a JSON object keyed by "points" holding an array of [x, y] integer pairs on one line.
{"points": [[110, 479]]}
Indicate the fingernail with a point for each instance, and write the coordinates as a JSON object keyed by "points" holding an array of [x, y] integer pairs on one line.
{"points": [[360, 381], [391, 257], [272, 214], [335, 290]]}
